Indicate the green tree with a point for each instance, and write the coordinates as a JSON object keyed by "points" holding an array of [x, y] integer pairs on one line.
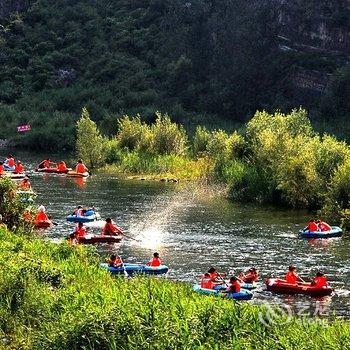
{"points": [[90, 144]]}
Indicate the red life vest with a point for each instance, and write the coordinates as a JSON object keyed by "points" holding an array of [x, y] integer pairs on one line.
{"points": [[111, 229], [62, 166], [235, 287], [291, 277], [10, 162], [41, 216], [207, 283], [19, 169], [320, 281], [155, 262], [80, 168], [324, 226], [80, 232], [1, 169], [312, 227]]}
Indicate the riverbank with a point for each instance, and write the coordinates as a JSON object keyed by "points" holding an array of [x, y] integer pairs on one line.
{"points": [[54, 296]]}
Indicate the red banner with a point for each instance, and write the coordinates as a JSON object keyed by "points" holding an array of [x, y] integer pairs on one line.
{"points": [[23, 128]]}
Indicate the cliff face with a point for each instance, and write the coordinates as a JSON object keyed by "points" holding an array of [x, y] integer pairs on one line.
{"points": [[318, 24], [9, 6]]}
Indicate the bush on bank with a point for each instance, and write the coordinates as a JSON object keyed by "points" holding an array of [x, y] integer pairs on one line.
{"points": [[53, 296], [279, 159]]}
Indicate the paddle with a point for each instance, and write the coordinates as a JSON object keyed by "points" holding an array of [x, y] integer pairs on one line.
{"points": [[124, 270], [134, 239]]}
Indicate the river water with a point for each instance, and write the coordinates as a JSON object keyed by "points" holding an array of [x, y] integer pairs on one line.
{"points": [[193, 228]]}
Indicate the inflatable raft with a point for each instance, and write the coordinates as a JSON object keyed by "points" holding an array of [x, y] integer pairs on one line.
{"points": [[282, 287], [73, 173], [89, 216], [9, 168], [52, 170], [242, 295], [334, 232], [136, 268], [247, 286], [43, 224], [91, 239]]}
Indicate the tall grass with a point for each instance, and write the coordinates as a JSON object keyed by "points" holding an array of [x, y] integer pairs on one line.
{"points": [[53, 296]]}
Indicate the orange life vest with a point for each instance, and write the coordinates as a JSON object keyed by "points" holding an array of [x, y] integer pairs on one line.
{"points": [[155, 262], [19, 169], [10, 162], [320, 281], [62, 166], [25, 185], [207, 283], [324, 226], [291, 277], [80, 232], [1, 169], [235, 287], [110, 229], [27, 216], [80, 168], [117, 262], [41, 216], [312, 227], [249, 277]]}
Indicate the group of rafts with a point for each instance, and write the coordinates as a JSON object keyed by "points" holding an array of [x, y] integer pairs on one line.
{"points": [[212, 282]]}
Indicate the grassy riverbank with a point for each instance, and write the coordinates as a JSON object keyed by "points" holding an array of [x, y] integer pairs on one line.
{"points": [[56, 297]]}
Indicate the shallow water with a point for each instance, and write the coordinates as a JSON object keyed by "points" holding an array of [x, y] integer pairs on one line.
{"points": [[192, 230]]}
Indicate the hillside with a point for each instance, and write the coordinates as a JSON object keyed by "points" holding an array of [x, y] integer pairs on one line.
{"points": [[197, 60]]}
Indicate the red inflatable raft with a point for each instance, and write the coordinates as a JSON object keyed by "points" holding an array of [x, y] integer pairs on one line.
{"points": [[43, 224], [52, 170], [282, 287], [91, 239]]}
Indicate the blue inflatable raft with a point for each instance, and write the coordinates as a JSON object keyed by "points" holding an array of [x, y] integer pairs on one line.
{"points": [[89, 216], [9, 168], [335, 232], [136, 268], [242, 295]]}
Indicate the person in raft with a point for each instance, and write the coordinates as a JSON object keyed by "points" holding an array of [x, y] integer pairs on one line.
{"points": [[320, 280], [10, 161], [206, 281], [292, 277], [78, 211], [249, 276], [155, 261], [81, 167], [215, 276], [323, 226], [46, 164], [41, 215], [19, 169], [61, 166], [2, 170], [25, 185], [111, 229], [80, 230], [234, 287], [312, 226], [115, 261]]}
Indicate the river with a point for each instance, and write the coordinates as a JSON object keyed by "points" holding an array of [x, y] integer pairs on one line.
{"points": [[193, 229]]}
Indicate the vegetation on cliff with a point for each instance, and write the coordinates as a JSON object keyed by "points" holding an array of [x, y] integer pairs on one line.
{"points": [[200, 61]]}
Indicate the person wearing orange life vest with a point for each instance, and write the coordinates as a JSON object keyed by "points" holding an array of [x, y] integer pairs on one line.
{"points": [[61, 166], [10, 161], [312, 226], [19, 169], [291, 276], [323, 226], [234, 287], [111, 229], [155, 261], [25, 185], [115, 261], [80, 231], [215, 276], [41, 215], [78, 211], [249, 276], [320, 280], [81, 167], [2, 170], [206, 282], [46, 163]]}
